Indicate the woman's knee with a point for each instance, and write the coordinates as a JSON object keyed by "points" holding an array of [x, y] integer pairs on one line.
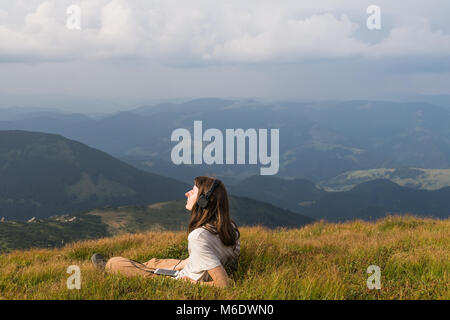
{"points": [[152, 263], [114, 262]]}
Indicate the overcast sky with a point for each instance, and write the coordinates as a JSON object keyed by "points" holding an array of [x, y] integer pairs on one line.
{"points": [[163, 49]]}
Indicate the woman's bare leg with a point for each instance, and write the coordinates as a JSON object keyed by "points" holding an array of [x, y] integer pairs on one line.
{"points": [[128, 267]]}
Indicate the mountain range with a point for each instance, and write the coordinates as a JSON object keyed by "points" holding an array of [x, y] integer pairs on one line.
{"points": [[42, 175], [45, 178], [318, 140]]}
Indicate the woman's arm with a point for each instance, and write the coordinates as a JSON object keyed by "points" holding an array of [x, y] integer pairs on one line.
{"points": [[219, 278]]}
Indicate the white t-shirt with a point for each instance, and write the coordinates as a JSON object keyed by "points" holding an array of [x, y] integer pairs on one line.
{"points": [[206, 251]]}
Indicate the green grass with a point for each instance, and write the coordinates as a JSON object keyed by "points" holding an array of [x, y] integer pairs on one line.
{"points": [[318, 261]]}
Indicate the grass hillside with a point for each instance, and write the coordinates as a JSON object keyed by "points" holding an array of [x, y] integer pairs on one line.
{"points": [[317, 261]]}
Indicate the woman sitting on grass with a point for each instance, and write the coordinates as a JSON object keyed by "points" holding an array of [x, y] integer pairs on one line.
{"points": [[213, 241]]}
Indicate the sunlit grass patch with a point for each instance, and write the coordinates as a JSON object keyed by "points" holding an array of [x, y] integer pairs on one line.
{"points": [[319, 261]]}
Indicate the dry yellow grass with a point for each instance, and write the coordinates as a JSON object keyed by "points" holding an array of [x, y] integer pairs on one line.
{"points": [[318, 261]]}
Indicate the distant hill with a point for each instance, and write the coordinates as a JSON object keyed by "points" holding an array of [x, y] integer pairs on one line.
{"points": [[375, 199], [417, 178], [55, 231], [291, 194], [368, 200], [45, 174], [172, 215], [196, 105], [108, 221], [442, 100], [185, 173], [16, 113]]}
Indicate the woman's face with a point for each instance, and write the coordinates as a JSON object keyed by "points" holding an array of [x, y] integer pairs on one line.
{"points": [[191, 197]]}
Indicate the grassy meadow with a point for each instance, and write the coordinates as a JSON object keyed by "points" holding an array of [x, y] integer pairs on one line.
{"points": [[318, 261]]}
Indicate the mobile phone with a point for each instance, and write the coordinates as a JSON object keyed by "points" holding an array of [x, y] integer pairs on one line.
{"points": [[166, 272]]}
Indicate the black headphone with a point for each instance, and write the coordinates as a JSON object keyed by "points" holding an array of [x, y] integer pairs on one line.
{"points": [[203, 198]]}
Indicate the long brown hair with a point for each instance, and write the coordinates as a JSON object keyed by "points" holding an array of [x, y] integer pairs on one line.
{"points": [[216, 216]]}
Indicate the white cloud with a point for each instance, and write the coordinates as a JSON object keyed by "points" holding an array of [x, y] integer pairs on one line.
{"points": [[291, 39], [186, 32], [3, 16], [415, 39]]}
